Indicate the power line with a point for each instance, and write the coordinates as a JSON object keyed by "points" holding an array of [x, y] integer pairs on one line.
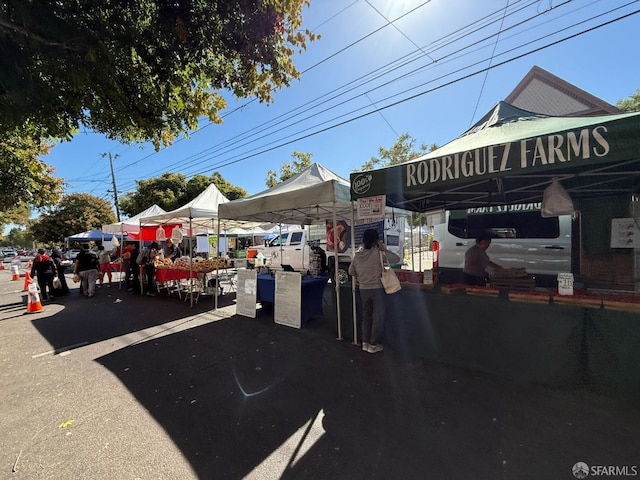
{"points": [[233, 143]]}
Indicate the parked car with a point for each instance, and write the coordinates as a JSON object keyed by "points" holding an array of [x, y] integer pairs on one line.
{"points": [[67, 266], [9, 253], [71, 254]]}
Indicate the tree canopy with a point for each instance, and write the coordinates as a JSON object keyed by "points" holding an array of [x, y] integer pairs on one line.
{"points": [[301, 160], [18, 237], [25, 180], [75, 213], [401, 151], [630, 104], [140, 71], [172, 190]]}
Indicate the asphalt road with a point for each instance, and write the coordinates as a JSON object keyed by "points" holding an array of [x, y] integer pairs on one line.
{"points": [[126, 387]]}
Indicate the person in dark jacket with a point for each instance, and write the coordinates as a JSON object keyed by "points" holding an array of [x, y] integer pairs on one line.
{"points": [[45, 269], [56, 256], [150, 268], [134, 271], [86, 270]]}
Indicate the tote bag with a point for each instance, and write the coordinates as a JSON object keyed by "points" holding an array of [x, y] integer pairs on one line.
{"points": [[389, 279]]}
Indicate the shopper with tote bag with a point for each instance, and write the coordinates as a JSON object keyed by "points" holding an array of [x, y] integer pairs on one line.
{"points": [[368, 267]]}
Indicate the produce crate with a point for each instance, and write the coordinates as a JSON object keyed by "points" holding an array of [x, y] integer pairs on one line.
{"points": [[453, 289], [409, 276], [579, 298], [529, 296], [626, 303], [482, 291]]}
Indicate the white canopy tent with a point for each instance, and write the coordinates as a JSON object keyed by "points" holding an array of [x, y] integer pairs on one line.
{"points": [[312, 196], [201, 214], [132, 225]]}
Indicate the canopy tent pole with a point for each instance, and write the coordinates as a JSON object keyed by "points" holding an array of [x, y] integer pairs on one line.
{"points": [[336, 272], [353, 280], [413, 250], [217, 282], [635, 213], [190, 261], [420, 243]]}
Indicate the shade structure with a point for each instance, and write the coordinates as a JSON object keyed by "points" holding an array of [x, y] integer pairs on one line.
{"points": [[510, 156], [90, 236], [132, 225], [312, 196], [198, 213]]}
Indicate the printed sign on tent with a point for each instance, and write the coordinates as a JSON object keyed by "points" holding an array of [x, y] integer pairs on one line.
{"points": [[372, 208]]}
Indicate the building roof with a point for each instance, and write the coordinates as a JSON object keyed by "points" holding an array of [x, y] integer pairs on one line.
{"points": [[542, 92]]}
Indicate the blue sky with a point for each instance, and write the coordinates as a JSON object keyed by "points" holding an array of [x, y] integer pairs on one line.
{"points": [[370, 79]]}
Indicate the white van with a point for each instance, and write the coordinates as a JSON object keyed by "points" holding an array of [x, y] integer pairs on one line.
{"points": [[522, 238]]}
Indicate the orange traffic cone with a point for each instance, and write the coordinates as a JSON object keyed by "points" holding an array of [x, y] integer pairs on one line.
{"points": [[33, 303], [30, 264], [27, 281], [15, 273], [1, 266]]}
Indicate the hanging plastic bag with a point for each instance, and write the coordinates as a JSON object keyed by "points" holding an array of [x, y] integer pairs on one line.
{"points": [[556, 201], [114, 242], [160, 235], [176, 235]]}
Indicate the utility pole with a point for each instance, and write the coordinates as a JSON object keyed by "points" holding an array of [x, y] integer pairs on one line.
{"points": [[113, 180]]}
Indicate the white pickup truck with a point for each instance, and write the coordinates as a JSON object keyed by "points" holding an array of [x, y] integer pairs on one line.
{"points": [[293, 247]]}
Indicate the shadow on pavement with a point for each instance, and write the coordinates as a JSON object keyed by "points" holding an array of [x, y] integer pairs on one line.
{"points": [[239, 398], [90, 320]]}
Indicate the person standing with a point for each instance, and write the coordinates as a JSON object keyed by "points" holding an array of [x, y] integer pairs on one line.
{"points": [[45, 269], [170, 250], [86, 270], [366, 267], [104, 259], [477, 265], [56, 256], [126, 265], [149, 256], [133, 272]]}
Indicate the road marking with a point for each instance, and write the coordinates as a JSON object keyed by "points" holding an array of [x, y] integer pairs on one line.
{"points": [[60, 351]]}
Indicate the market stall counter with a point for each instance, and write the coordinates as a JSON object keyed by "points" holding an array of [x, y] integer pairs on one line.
{"points": [[541, 340], [312, 294], [164, 275], [167, 273]]}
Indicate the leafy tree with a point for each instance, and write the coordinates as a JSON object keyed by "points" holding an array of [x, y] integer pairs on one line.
{"points": [[289, 169], [172, 190], [166, 191], [25, 181], [631, 104], [140, 71], [19, 237], [17, 215], [75, 213], [230, 191], [401, 151]]}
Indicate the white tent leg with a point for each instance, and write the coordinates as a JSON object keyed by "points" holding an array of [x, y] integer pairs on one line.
{"points": [[354, 312], [336, 268]]}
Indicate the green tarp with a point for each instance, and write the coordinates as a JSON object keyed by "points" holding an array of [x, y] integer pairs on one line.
{"points": [[511, 156]]}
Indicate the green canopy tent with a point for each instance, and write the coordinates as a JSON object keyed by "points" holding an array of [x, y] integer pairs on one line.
{"points": [[510, 156]]}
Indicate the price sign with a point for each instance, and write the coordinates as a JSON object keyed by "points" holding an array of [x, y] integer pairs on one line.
{"points": [[625, 233]]}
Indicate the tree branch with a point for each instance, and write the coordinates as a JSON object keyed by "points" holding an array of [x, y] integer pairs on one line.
{"points": [[16, 28]]}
